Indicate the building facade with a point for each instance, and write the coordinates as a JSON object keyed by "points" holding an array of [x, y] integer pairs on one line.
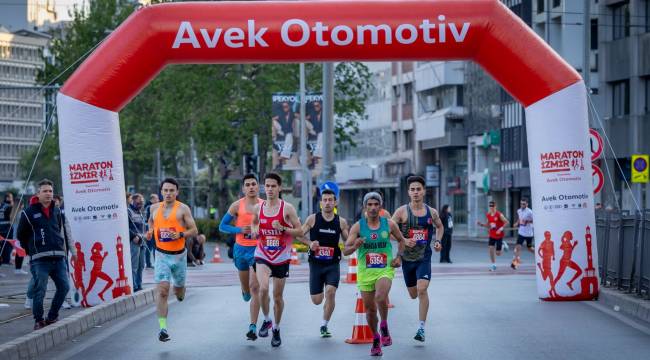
{"points": [[624, 61], [22, 104]]}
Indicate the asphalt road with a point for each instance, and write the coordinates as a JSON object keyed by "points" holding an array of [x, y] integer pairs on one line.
{"points": [[474, 314]]}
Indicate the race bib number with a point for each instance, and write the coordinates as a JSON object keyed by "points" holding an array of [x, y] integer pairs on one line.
{"points": [[493, 225], [272, 243], [421, 236], [324, 253], [376, 261], [165, 234]]}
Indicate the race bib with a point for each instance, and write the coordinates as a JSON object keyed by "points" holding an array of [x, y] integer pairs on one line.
{"points": [[324, 253], [272, 243], [493, 225], [165, 234], [376, 261], [419, 235]]}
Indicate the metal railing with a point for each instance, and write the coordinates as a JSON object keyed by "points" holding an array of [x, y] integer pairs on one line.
{"points": [[624, 250]]}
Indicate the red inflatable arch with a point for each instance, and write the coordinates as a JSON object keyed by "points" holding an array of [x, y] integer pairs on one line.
{"points": [[484, 31]]}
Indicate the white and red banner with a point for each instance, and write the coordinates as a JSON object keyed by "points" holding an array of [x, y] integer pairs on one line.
{"points": [[484, 31], [562, 196], [93, 186]]}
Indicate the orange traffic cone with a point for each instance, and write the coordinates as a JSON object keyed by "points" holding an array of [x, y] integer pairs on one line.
{"points": [[351, 277], [217, 255], [294, 257], [361, 333]]}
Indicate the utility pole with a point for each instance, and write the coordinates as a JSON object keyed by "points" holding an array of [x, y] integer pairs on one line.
{"points": [[306, 175], [547, 28], [586, 68], [328, 122], [192, 176]]}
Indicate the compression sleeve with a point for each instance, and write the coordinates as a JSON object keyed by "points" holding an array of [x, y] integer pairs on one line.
{"points": [[225, 226]]}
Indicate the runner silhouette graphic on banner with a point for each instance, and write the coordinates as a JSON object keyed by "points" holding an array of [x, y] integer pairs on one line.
{"points": [[98, 262], [567, 247], [79, 267], [546, 251]]}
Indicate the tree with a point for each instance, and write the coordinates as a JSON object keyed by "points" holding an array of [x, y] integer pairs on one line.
{"points": [[219, 106]]}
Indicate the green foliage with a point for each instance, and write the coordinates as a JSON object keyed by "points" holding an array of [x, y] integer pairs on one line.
{"points": [[220, 107], [210, 228]]}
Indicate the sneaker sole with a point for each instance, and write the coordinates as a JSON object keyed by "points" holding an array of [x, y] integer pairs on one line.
{"points": [[252, 337]]}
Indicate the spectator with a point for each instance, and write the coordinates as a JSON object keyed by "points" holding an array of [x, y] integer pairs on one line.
{"points": [[43, 232], [5, 228], [149, 253], [15, 215], [136, 234], [195, 250], [448, 223]]}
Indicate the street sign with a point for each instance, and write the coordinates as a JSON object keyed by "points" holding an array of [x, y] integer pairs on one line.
{"points": [[597, 178], [596, 143], [640, 172], [432, 175]]}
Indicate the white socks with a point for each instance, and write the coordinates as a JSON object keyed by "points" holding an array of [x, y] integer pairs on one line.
{"points": [[422, 325], [324, 323]]}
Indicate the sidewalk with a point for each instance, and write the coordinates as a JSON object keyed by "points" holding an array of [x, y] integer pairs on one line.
{"points": [[16, 321]]}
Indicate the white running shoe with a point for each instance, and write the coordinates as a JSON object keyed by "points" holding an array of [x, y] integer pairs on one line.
{"points": [[20, 272], [66, 305], [28, 303], [493, 267]]}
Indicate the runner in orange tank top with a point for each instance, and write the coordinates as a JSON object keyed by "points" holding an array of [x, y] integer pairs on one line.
{"points": [[244, 249], [170, 223]]}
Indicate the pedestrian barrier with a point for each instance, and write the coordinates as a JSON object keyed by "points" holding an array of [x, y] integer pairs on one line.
{"points": [[361, 333], [351, 277], [294, 257], [624, 250], [216, 258]]}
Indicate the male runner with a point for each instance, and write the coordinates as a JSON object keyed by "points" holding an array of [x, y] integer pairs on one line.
{"points": [[525, 233], [170, 223], [325, 229], [275, 223], [496, 222], [242, 211], [417, 221], [371, 238]]}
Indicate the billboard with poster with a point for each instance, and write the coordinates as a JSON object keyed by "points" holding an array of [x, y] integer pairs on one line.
{"points": [[285, 131]]}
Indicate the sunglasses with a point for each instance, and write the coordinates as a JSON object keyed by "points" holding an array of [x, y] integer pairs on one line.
{"points": [[491, 205]]}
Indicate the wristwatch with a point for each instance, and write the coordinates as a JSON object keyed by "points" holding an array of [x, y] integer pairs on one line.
{"points": [[181, 235]]}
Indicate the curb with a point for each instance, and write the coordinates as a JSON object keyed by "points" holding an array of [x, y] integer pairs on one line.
{"points": [[40, 341], [625, 303]]}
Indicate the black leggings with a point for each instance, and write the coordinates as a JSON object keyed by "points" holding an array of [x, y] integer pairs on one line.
{"points": [[19, 262], [446, 248]]}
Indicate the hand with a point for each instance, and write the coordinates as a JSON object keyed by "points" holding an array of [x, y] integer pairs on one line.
{"points": [[397, 262], [277, 226], [410, 242], [149, 234], [175, 235], [105, 253], [74, 258], [479, 223], [359, 242], [136, 240], [437, 246], [314, 245], [255, 233], [246, 229]]}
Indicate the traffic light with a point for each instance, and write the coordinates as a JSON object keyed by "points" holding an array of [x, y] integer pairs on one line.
{"points": [[250, 164]]}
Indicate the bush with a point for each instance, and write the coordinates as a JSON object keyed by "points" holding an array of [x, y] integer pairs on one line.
{"points": [[210, 228]]}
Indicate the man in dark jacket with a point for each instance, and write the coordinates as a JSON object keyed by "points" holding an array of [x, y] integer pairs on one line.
{"points": [[43, 233], [136, 233]]}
